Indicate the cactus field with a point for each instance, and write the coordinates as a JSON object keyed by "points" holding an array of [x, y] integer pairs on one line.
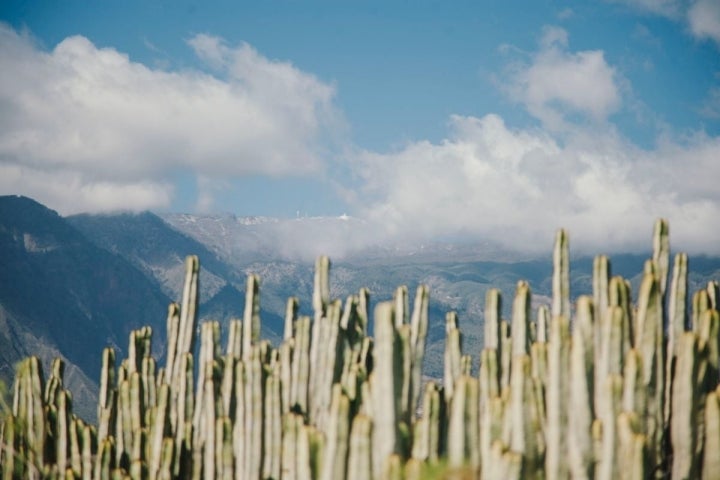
{"points": [[613, 385]]}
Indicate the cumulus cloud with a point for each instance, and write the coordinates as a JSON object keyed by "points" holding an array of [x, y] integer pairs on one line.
{"points": [[515, 187], [557, 83], [701, 16], [88, 129], [704, 19]]}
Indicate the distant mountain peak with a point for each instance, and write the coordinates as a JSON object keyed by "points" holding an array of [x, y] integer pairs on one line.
{"points": [[193, 218]]}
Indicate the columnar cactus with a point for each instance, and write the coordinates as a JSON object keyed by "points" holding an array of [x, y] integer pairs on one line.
{"points": [[561, 276], [418, 336], [607, 392], [649, 340], [453, 354], [580, 402], [385, 385], [557, 398]]}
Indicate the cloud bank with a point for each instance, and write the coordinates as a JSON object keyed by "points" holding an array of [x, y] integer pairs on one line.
{"points": [[84, 128], [515, 186]]}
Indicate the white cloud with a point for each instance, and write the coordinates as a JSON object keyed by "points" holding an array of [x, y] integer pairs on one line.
{"points": [[68, 191], [558, 83], [666, 8], [704, 19], [711, 105], [516, 187], [702, 16], [118, 130], [565, 14]]}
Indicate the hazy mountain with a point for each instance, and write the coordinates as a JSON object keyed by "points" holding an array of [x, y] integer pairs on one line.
{"points": [[458, 273], [155, 248], [159, 250], [72, 286], [240, 240], [61, 293]]}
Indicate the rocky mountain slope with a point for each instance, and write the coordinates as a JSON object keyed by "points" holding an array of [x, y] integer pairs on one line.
{"points": [[71, 286], [61, 294], [159, 250], [153, 247]]}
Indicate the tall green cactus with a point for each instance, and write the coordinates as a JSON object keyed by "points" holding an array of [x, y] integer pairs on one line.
{"points": [[711, 461], [521, 320], [580, 402], [360, 457], [251, 317], [463, 435], [385, 387], [418, 338], [649, 340], [557, 396], [684, 427], [453, 354], [608, 392], [661, 253], [272, 426], [338, 434], [561, 276], [185, 341]]}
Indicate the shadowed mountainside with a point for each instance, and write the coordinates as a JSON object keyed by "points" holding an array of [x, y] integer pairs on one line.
{"points": [[61, 293]]}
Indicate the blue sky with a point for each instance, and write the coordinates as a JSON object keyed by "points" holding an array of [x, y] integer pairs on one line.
{"points": [[489, 120]]}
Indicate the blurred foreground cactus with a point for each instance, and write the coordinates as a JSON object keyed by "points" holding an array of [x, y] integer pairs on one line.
{"points": [[614, 390]]}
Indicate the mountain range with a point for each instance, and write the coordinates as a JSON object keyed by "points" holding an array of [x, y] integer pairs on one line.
{"points": [[62, 295], [70, 286]]}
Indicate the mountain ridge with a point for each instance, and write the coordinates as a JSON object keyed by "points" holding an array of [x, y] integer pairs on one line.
{"points": [[67, 294], [133, 264]]}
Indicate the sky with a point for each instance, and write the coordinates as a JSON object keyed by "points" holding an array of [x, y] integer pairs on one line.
{"points": [[495, 121]]}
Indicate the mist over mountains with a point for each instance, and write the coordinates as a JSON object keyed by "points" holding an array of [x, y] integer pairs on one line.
{"points": [[72, 286], [242, 239]]}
